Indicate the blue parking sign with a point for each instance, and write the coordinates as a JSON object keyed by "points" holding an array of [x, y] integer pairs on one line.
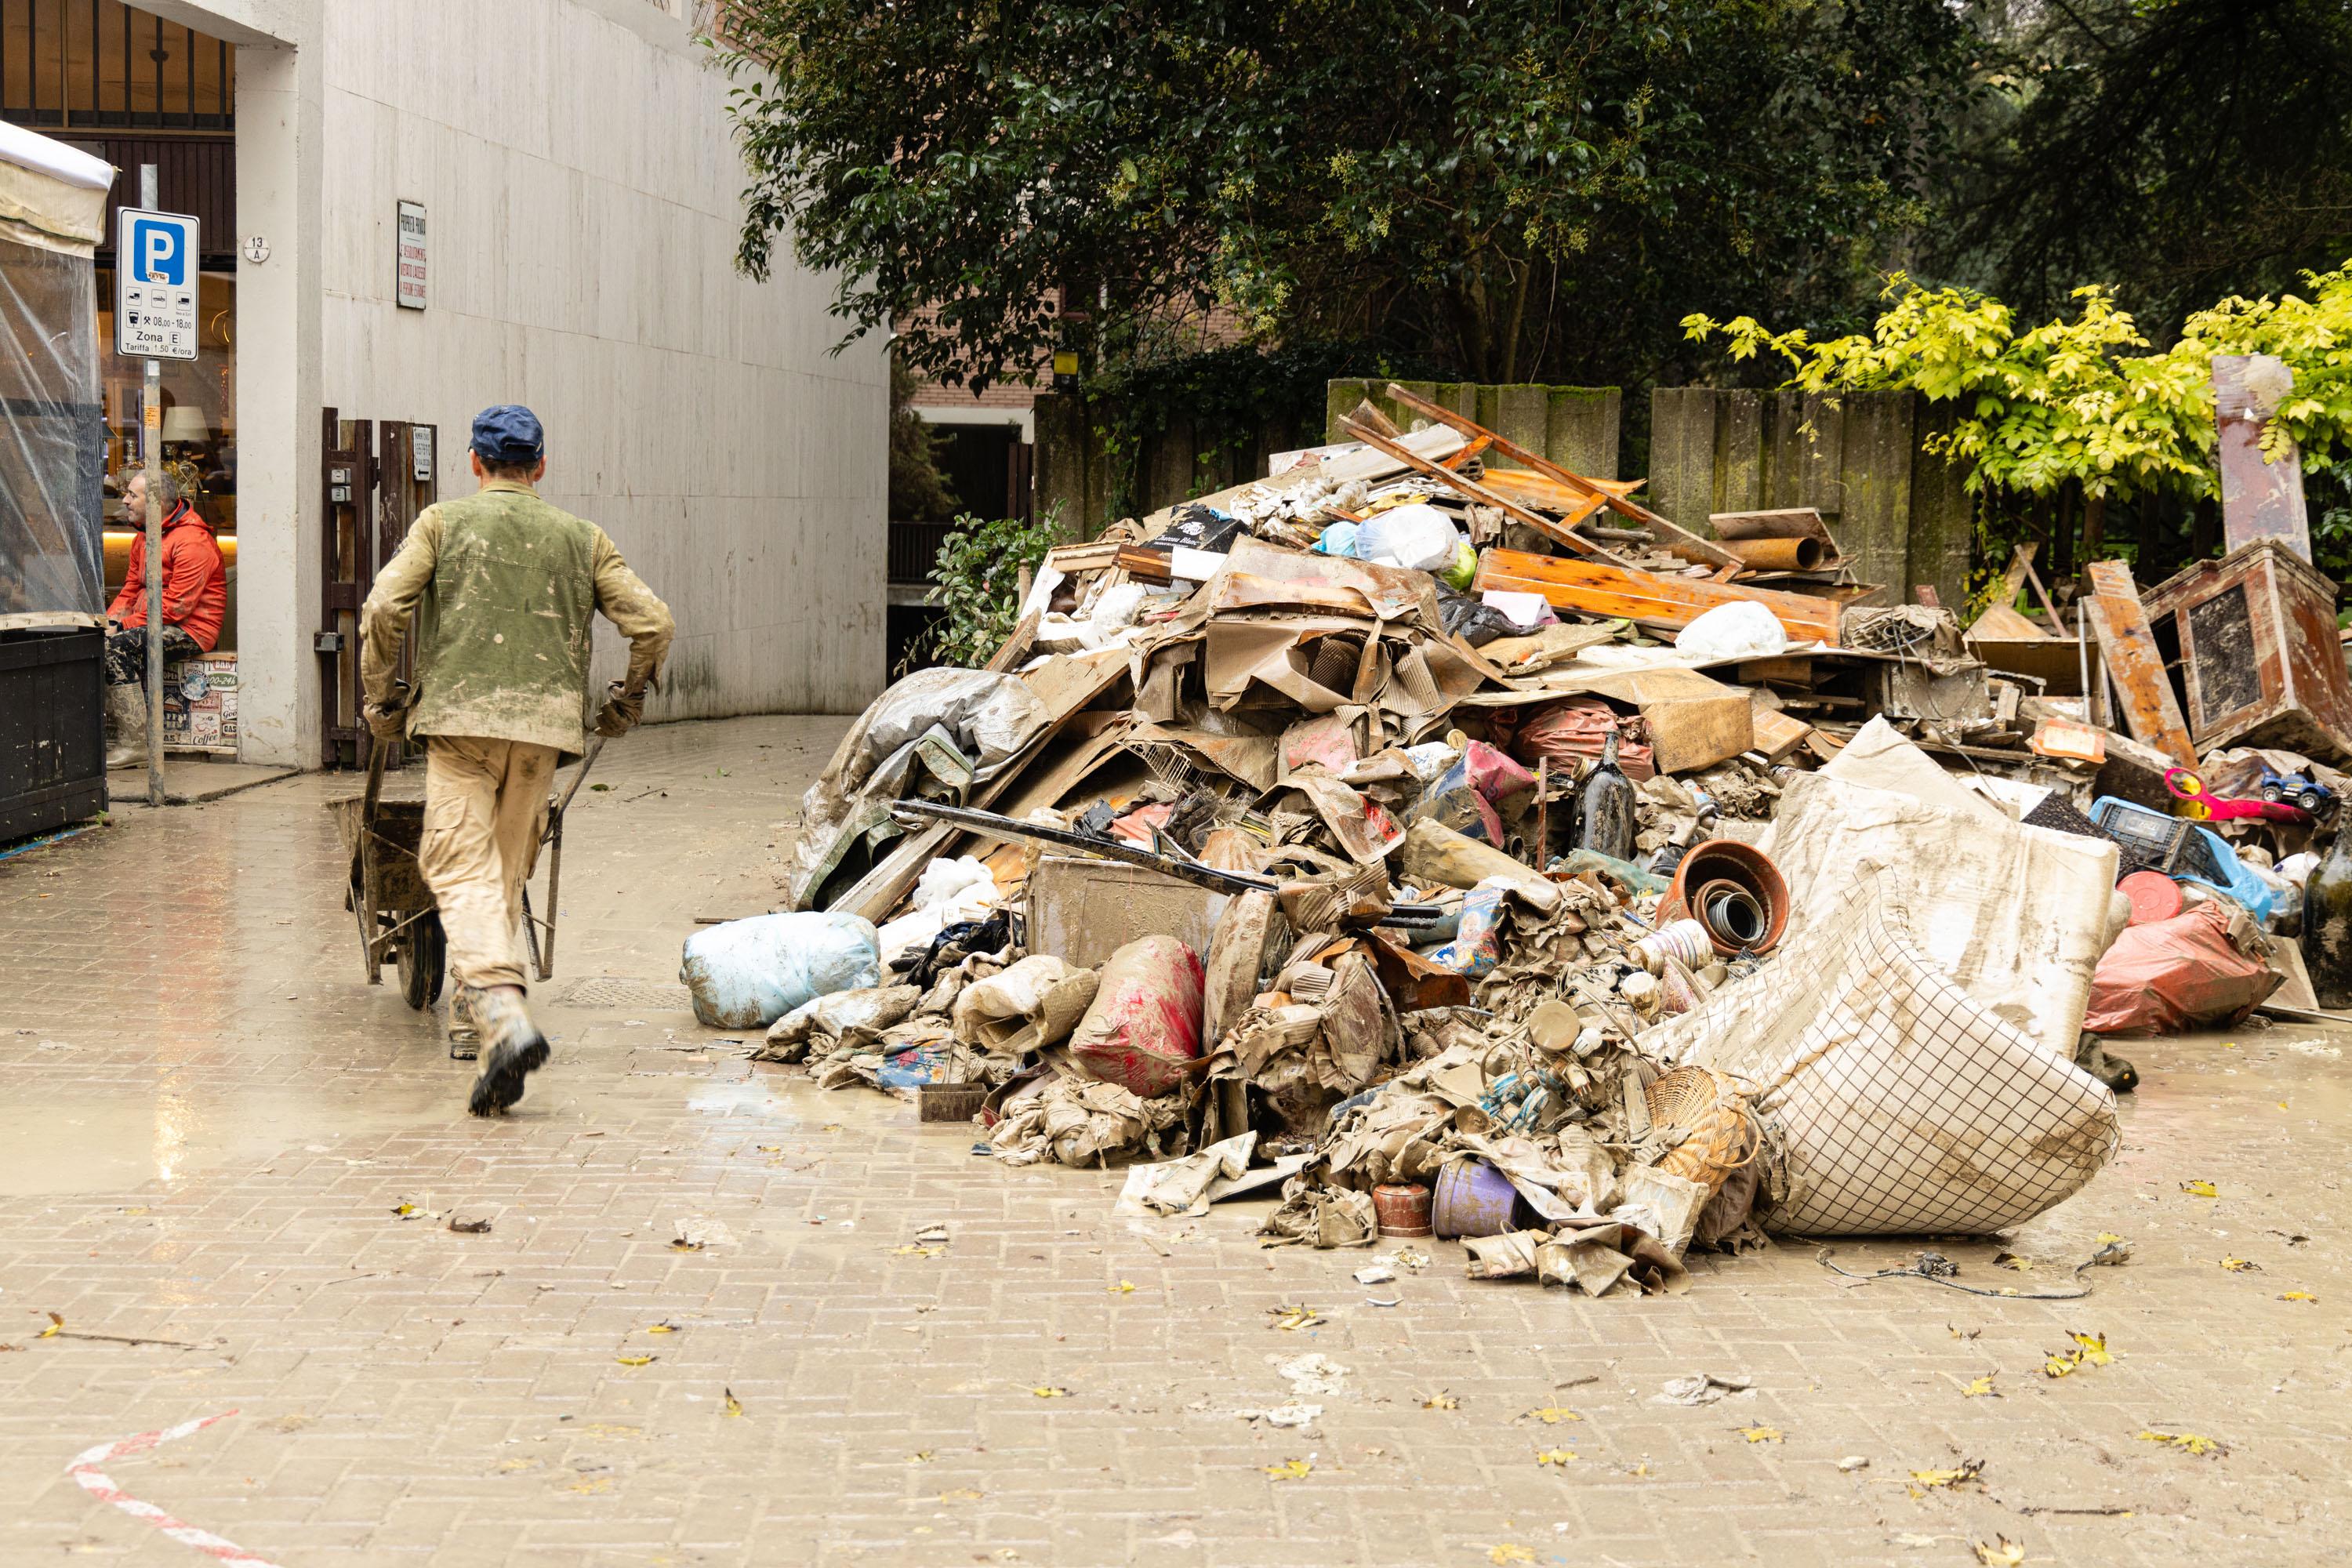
{"points": [[156, 286]]}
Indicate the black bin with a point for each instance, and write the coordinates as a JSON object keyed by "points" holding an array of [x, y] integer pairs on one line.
{"points": [[52, 728]]}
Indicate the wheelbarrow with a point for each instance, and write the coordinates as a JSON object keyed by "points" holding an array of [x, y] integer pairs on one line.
{"points": [[398, 919]]}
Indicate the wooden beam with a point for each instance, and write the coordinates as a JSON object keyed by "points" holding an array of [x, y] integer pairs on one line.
{"points": [[1553, 471], [1477, 492], [1666, 603], [2127, 649]]}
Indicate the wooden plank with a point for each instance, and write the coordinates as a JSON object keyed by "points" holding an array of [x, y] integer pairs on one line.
{"points": [[1620, 505], [48, 620], [1016, 647], [1668, 602], [1876, 477], [1742, 466], [1776, 734], [1821, 482], [1581, 425], [2127, 649], [1556, 532]]}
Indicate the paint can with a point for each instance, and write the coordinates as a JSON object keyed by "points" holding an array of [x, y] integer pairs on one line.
{"points": [[1473, 1198]]}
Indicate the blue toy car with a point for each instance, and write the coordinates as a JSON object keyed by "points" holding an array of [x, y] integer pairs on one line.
{"points": [[2303, 789]]}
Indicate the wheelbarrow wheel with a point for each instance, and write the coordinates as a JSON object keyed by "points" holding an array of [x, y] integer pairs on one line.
{"points": [[422, 955]]}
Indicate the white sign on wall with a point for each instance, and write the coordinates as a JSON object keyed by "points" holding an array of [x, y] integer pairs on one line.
{"points": [[154, 284], [410, 296]]}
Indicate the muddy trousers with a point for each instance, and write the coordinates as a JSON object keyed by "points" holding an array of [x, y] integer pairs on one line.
{"points": [[485, 806]]}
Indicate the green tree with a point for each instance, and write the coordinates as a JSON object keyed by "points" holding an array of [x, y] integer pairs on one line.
{"points": [[1516, 189], [2176, 150]]}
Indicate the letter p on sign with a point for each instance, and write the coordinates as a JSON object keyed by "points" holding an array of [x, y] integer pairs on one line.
{"points": [[159, 254]]}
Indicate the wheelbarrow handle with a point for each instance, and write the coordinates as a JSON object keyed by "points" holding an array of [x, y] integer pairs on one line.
{"points": [[587, 761]]}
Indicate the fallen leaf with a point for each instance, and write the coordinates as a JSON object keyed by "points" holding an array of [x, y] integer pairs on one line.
{"points": [[2107, 1238], [661, 1328], [1290, 1319], [635, 1359], [912, 1251], [2090, 1350], [961, 1494], [1554, 1456], [1551, 1416], [56, 1321], [1121, 1289], [1050, 1393], [1981, 1388], [1928, 1480], [2000, 1553], [2200, 1189], [2187, 1443], [589, 1488], [1441, 1401], [1290, 1470], [2242, 1266], [1510, 1551], [920, 1457], [2299, 1295], [404, 1209], [2011, 1260], [1760, 1433], [733, 1406]]}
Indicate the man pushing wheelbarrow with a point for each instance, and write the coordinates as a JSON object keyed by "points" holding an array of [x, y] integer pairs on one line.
{"points": [[506, 586]]}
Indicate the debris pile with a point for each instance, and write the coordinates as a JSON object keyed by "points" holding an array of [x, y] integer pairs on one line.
{"points": [[1437, 842]]}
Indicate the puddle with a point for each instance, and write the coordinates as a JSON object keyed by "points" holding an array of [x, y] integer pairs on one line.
{"points": [[85, 1142]]}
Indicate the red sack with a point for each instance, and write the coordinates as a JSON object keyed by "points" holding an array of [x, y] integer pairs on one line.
{"points": [[1576, 728], [2169, 975], [1143, 1030]]}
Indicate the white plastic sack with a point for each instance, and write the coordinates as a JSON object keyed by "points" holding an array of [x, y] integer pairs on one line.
{"points": [[746, 974], [1741, 629], [1416, 535], [1892, 1103], [991, 1011]]}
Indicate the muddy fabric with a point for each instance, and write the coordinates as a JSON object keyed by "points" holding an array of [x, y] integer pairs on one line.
{"points": [[506, 586], [126, 654], [485, 805]]}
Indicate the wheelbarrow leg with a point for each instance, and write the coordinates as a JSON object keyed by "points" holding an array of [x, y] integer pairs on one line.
{"points": [[365, 895]]}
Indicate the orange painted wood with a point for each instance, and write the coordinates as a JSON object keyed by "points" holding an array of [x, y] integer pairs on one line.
{"points": [[1591, 588]]}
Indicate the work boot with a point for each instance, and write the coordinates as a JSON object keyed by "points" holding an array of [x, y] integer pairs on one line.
{"points": [[512, 1048], [126, 725], [464, 1035]]}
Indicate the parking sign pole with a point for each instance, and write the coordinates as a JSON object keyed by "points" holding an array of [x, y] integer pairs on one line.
{"points": [[152, 435]]}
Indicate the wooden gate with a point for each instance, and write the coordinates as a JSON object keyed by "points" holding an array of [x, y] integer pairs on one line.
{"points": [[376, 479]]}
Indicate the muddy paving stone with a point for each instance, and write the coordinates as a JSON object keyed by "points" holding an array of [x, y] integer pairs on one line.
{"points": [[211, 1124]]}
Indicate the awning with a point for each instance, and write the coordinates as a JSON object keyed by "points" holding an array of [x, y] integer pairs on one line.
{"points": [[51, 196]]}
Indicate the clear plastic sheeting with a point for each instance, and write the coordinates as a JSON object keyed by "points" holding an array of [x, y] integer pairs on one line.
{"points": [[937, 734], [52, 434]]}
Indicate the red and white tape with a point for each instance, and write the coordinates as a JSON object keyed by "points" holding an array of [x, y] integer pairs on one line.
{"points": [[97, 1483]]}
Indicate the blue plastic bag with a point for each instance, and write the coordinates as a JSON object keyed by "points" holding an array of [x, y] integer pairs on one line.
{"points": [[746, 974]]}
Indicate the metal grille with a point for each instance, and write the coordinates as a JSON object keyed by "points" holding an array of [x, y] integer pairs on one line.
{"points": [[71, 65], [646, 993]]}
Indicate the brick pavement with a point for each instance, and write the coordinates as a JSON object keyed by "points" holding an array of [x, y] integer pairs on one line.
{"points": [[210, 1125]]}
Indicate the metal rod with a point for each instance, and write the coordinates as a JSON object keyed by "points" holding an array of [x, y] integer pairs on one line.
{"points": [[152, 425], [993, 826]]}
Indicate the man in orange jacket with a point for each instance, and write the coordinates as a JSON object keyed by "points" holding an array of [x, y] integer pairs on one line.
{"points": [[195, 596]]}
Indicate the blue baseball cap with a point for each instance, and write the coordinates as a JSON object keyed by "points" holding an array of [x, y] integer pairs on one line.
{"points": [[508, 432]]}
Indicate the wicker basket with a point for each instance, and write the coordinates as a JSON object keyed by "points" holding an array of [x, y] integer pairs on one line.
{"points": [[1708, 1120]]}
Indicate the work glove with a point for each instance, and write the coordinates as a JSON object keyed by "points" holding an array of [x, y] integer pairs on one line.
{"points": [[386, 723], [621, 711]]}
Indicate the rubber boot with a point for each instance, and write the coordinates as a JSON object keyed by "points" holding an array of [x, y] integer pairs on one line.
{"points": [[126, 725], [512, 1050]]}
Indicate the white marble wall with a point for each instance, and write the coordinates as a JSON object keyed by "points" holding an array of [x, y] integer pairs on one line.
{"points": [[581, 189]]}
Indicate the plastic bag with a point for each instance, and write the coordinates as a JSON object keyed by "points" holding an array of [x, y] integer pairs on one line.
{"points": [[1741, 629], [746, 974], [1464, 569], [2167, 977], [1340, 539], [1143, 1029], [1416, 536], [1477, 946], [1464, 797], [1474, 622]]}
